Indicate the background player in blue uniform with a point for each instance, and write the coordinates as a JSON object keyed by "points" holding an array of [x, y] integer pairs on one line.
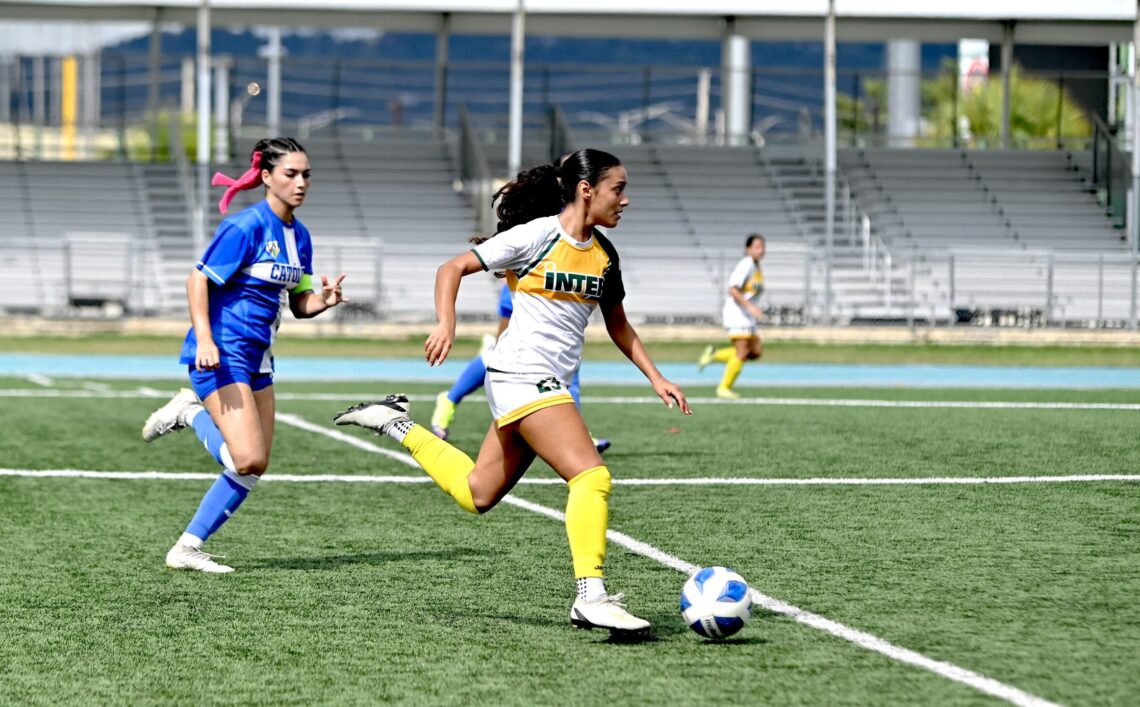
{"points": [[235, 296], [471, 379]]}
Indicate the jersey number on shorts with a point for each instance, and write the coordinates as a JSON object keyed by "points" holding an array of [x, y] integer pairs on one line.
{"points": [[547, 385]]}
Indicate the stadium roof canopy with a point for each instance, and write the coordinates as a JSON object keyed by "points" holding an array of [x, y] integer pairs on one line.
{"points": [[1095, 22]]}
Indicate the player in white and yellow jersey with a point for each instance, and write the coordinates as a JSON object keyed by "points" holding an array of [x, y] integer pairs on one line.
{"points": [[561, 268], [740, 313]]}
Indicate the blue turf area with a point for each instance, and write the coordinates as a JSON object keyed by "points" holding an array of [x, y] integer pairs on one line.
{"points": [[762, 375]]}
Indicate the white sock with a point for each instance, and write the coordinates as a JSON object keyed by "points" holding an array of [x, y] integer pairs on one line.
{"points": [[398, 429], [246, 481], [190, 414], [226, 459], [192, 540], [591, 588]]}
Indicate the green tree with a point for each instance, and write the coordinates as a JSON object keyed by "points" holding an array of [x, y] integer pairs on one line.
{"points": [[1042, 114]]}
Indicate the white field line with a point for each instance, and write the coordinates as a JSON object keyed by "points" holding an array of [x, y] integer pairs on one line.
{"points": [[39, 379], [347, 399], [421, 479], [865, 640]]}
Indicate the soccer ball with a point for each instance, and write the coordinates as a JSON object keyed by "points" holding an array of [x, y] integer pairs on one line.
{"points": [[716, 602]]}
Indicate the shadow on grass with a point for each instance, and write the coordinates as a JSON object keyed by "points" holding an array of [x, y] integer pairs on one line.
{"points": [[670, 626], [366, 558]]}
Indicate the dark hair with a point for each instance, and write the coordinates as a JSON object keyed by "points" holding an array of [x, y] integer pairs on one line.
{"points": [[544, 190], [272, 149], [752, 238]]}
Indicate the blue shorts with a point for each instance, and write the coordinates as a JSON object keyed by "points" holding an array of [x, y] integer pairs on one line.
{"points": [[206, 382]]}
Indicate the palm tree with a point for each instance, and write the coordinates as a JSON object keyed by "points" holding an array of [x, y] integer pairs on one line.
{"points": [[1042, 114]]}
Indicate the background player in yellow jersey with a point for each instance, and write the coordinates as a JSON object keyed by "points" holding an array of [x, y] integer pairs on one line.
{"points": [[561, 269], [740, 313]]}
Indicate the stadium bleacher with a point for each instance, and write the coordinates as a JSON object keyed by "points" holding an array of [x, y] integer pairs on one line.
{"points": [[388, 211]]}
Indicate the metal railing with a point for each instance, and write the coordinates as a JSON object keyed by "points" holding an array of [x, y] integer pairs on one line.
{"points": [[392, 282], [1110, 167], [121, 116], [476, 175]]}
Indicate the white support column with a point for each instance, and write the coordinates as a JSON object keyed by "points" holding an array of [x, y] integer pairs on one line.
{"points": [[186, 96], [1006, 85], [701, 121], [222, 108], [39, 92], [89, 103], [153, 79], [202, 152], [203, 69], [1113, 78], [904, 91], [154, 65], [272, 53], [736, 84], [442, 57], [1134, 99], [515, 116], [5, 89], [830, 134]]}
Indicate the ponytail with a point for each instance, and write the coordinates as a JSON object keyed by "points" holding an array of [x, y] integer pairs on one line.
{"points": [[266, 154], [546, 189]]}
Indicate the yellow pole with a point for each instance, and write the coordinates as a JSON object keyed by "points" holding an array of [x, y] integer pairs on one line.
{"points": [[68, 104]]}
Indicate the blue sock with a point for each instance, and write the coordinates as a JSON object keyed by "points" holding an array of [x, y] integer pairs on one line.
{"points": [[575, 393], [219, 503], [212, 438], [471, 379]]}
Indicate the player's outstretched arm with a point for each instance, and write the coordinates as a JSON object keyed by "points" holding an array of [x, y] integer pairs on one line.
{"points": [[447, 277], [629, 343], [310, 303]]}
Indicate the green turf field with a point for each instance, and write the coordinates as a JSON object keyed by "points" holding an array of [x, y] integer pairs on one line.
{"points": [[367, 592]]}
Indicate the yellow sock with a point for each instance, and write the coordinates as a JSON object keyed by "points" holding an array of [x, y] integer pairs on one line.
{"points": [[587, 516], [732, 369], [725, 354], [445, 464]]}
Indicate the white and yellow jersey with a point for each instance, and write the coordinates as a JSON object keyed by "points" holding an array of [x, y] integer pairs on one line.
{"points": [[749, 278], [557, 282]]}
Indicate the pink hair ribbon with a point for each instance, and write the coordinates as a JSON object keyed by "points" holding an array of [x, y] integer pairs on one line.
{"points": [[249, 180]]}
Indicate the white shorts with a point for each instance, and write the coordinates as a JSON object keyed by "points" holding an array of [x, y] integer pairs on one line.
{"points": [[513, 396], [738, 324]]}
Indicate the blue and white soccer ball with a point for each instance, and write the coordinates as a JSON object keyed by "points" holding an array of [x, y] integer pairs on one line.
{"points": [[716, 602]]}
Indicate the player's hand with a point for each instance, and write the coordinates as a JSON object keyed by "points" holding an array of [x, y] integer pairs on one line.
{"points": [[438, 344], [755, 311], [331, 293], [671, 394], [207, 358]]}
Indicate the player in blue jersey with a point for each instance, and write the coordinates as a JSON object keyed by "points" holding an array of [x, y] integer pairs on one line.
{"points": [[235, 295], [471, 379]]}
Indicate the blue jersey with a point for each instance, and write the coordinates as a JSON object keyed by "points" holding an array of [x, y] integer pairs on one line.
{"points": [[253, 258], [506, 306]]}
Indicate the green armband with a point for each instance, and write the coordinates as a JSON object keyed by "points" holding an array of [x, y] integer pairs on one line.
{"points": [[305, 285]]}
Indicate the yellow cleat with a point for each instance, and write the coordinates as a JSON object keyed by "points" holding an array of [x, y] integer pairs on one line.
{"points": [[706, 358], [726, 393], [442, 416]]}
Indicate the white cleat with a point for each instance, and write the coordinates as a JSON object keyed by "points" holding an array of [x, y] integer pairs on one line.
{"points": [[188, 557], [172, 416], [377, 416], [608, 613]]}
